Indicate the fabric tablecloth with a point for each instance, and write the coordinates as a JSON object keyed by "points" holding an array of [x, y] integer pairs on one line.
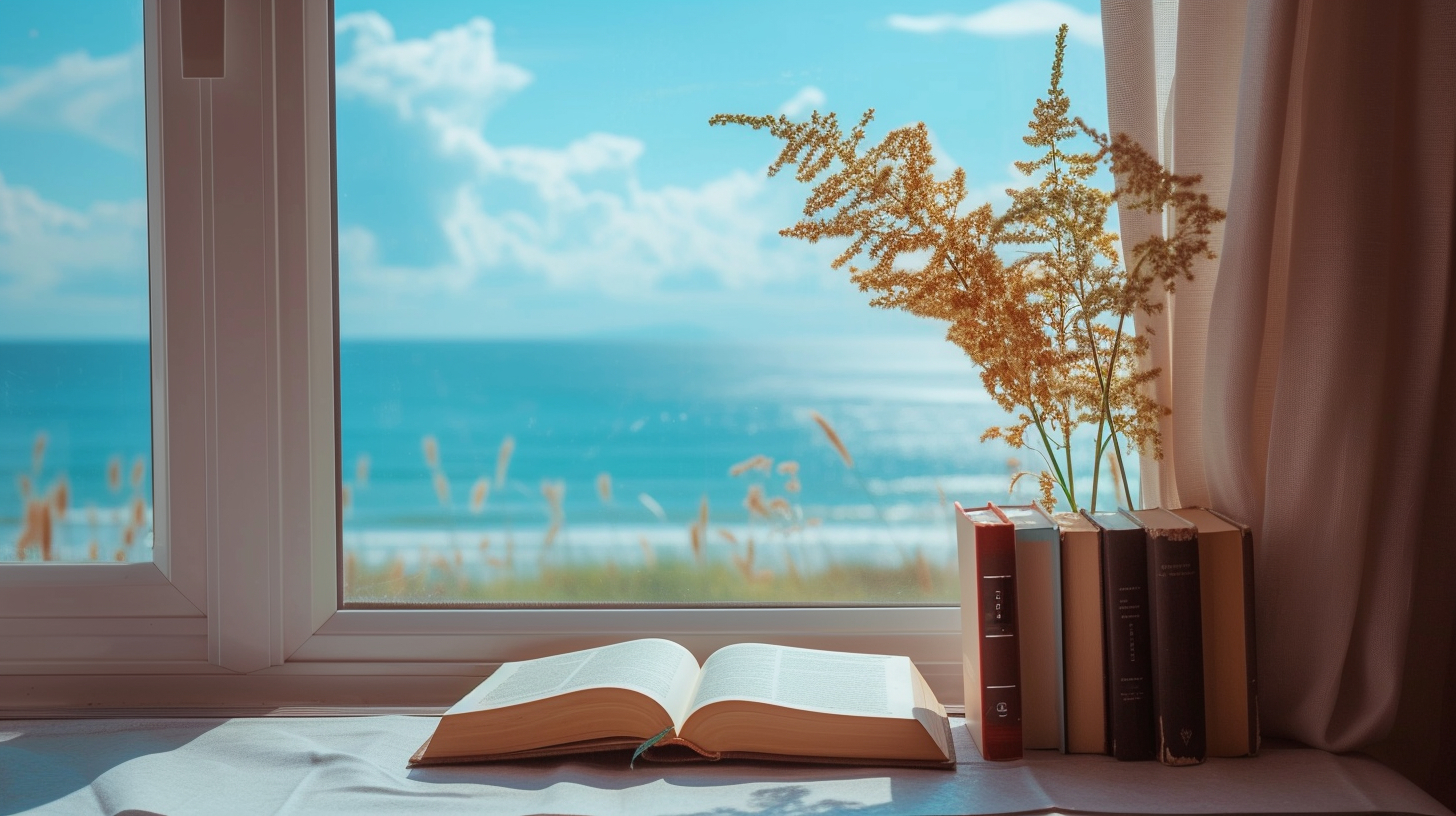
{"points": [[357, 765]]}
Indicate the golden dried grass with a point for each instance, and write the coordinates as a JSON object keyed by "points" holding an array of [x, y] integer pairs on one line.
{"points": [[755, 462], [604, 487], [430, 447], [503, 460], [833, 437], [113, 474], [442, 488], [138, 472], [479, 493]]}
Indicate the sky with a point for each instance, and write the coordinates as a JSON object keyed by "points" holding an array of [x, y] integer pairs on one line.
{"points": [[530, 169]]}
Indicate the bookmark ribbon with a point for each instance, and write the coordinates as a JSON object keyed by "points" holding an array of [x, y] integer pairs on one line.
{"points": [[648, 744]]}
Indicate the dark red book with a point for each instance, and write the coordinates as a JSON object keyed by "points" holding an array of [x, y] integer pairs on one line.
{"points": [[1176, 624], [991, 651], [1129, 661]]}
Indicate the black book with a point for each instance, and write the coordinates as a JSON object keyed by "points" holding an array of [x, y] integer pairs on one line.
{"points": [[1176, 624], [1129, 687]]}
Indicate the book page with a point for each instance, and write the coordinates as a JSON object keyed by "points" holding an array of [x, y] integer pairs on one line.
{"points": [[660, 669], [810, 679]]}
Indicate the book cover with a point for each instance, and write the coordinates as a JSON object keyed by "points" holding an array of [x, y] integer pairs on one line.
{"points": [[1176, 624], [1083, 635], [1129, 655], [990, 648], [1039, 627], [1230, 676]]}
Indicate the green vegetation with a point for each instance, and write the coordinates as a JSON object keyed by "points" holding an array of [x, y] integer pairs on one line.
{"points": [[668, 581]]}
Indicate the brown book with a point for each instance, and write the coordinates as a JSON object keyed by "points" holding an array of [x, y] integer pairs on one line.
{"points": [[1175, 622], [990, 646], [1082, 635], [747, 701], [1230, 679]]}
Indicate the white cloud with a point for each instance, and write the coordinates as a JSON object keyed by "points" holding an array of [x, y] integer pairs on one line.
{"points": [[807, 99], [99, 98], [1015, 18], [587, 223], [455, 70], [63, 269]]}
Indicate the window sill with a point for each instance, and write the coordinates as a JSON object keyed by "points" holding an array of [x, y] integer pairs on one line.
{"points": [[170, 766]]}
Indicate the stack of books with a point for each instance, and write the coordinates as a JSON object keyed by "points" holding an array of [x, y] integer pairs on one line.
{"points": [[1127, 633]]}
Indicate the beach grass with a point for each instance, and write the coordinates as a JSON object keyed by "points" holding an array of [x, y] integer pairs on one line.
{"points": [[666, 581]]}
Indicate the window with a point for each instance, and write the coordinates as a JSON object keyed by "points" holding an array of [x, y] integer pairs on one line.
{"points": [[75, 431], [578, 363], [242, 601]]}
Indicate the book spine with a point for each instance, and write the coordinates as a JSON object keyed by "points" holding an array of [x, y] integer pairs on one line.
{"points": [[1129, 645], [990, 636], [1250, 653], [1176, 624]]}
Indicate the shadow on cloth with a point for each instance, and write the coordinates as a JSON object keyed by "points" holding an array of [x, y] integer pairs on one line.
{"points": [[37, 769]]}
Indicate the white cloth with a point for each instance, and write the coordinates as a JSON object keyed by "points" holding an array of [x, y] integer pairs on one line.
{"points": [[356, 765]]}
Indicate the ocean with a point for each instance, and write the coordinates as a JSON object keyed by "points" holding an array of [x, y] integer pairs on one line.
{"points": [[663, 422]]}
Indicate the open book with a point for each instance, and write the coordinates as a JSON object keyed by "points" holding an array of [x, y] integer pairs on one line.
{"points": [[748, 701]]}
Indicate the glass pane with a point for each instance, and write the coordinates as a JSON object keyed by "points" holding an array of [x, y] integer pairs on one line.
{"points": [[578, 362], [75, 383]]}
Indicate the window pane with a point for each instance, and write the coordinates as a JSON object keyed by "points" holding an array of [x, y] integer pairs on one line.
{"points": [[75, 400], [578, 362]]}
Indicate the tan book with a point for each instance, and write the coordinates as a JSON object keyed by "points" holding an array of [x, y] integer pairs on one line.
{"points": [[747, 701], [1082, 635], [1230, 679]]}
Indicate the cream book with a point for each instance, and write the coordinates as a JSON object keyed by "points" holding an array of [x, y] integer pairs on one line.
{"points": [[747, 701]]}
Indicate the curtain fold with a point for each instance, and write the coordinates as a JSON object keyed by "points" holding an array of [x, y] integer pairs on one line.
{"points": [[1307, 367]]}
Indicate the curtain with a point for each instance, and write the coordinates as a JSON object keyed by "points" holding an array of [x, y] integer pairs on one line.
{"points": [[1311, 367]]}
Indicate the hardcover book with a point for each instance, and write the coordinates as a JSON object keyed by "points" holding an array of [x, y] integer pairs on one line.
{"points": [[1130, 732], [747, 701], [1230, 679], [1083, 635], [1039, 627], [990, 648], [1176, 625]]}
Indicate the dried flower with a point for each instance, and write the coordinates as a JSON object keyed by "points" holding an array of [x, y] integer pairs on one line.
{"points": [[442, 488], [503, 460], [833, 437], [113, 474], [479, 492], [756, 462], [1049, 329]]}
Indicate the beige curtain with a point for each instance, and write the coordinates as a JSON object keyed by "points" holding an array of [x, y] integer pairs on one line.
{"points": [[1311, 368]]}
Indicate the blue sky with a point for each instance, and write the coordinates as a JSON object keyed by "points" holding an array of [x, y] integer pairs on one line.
{"points": [[535, 169]]}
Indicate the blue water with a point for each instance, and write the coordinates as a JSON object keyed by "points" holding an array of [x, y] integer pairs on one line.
{"points": [[664, 419], [93, 403]]}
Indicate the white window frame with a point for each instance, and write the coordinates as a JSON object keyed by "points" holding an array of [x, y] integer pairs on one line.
{"points": [[241, 605]]}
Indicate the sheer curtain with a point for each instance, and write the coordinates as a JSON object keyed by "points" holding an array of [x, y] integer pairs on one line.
{"points": [[1311, 368]]}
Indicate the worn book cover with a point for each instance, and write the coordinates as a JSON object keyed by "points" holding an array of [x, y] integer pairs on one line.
{"points": [[1130, 730], [1039, 627], [1230, 671], [1083, 635], [990, 648], [1176, 625]]}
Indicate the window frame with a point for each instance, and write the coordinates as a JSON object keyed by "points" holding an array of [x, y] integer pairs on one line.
{"points": [[245, 374]]}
